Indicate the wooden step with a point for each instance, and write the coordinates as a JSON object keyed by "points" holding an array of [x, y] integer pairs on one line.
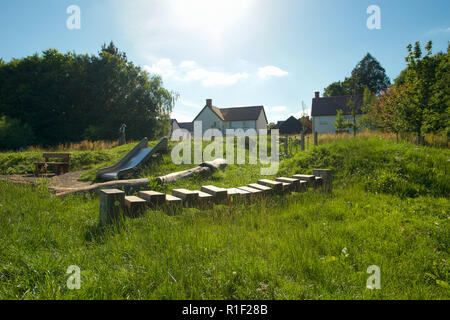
{"points": [[260, 187], [153, 198], [251, 190], [219, 194], [238, 194], [295, 183], [318, 183], [205, 200], [310, 179], [287, 187], [189, 197], [134, 206], [275, 185], [172, 201]]}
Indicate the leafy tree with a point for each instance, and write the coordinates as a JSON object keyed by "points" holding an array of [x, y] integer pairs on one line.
{"points": [[390, 111], [306, 124], [340, 124], [425, 77], [367, 73], [69, 97], [337, 88], [369, 100]]}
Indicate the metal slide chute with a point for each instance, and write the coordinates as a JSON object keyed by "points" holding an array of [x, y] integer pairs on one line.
{"points": [[132, 161]]}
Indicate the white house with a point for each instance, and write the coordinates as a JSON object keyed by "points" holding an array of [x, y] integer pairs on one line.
{"points": [[244, 118], [324, 111]]}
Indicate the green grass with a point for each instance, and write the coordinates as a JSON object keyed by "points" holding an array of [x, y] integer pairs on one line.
{"points": [[286, 247]]}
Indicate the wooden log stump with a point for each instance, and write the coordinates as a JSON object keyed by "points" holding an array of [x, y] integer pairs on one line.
{"points": [[327, 176], [134, 206], [111, 206], [153, 198]]}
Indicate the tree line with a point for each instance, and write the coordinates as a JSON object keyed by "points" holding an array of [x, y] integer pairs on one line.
{"points": [[57, 98], [417, 102]]}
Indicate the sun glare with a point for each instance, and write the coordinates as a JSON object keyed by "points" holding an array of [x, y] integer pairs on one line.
{"points": [[211, 16]]}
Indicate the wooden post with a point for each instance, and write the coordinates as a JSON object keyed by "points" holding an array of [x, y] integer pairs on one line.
{"points": [[285, 145], [134, 206], [111, 206], [316, 139], [327, 178], [303, 142], [220, 194]]}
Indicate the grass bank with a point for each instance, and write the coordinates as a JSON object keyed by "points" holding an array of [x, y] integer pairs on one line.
{"points": [[299, 246]]}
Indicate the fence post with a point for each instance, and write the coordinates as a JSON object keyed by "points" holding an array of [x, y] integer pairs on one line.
{"points": [[327, 178], [316, 139], [112, 202], [303, 142]]}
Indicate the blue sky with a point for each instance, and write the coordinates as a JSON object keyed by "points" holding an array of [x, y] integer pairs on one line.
{"points": [[274, 53]]}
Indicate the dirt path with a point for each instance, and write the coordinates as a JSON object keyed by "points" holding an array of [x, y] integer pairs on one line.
{"points": [[57, 183]]}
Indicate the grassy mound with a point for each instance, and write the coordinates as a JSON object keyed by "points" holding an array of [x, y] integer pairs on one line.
{"points": [[299, 246]]}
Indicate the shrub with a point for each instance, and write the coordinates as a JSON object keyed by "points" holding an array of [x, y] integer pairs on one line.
{"points": [[14, 134]]}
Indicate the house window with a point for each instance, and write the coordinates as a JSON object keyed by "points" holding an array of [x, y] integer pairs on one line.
{"points": [[323, 121]]}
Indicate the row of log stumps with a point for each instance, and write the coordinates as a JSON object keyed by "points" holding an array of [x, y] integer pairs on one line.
{"points": [[115, 205]]}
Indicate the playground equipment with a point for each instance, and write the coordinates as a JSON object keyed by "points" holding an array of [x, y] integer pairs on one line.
{"points": [[112, 201], [133, 161]]}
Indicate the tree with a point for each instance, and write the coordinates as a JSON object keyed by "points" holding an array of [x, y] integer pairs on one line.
{"points": [[425, 79], [335, 89], [70, 97], [369, 100], [390, 111], [367, 73], [340, 124], [306, 124]]}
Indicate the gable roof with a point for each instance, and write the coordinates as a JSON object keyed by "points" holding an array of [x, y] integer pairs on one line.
{"points": [[290, 126], [237, 113], [189, 126], [328, 106]]}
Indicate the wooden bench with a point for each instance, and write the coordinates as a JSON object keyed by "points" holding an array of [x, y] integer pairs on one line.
{"points": [[60, 167]]}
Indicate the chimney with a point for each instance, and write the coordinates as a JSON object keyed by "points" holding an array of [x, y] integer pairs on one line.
{"points": [[317, 94], [209, 102]]}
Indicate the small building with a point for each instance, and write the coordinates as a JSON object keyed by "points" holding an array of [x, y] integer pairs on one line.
{"points": [[175, 125], [289, 126], [212, 117], [324, 111]]}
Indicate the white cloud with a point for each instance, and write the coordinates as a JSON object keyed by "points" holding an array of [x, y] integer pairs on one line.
{"points": [[181, 117], [211, 79], [438, 30], [278, 108], [190, 104], [271, 71], [163, 67], [189, 71], [188, 64]]}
